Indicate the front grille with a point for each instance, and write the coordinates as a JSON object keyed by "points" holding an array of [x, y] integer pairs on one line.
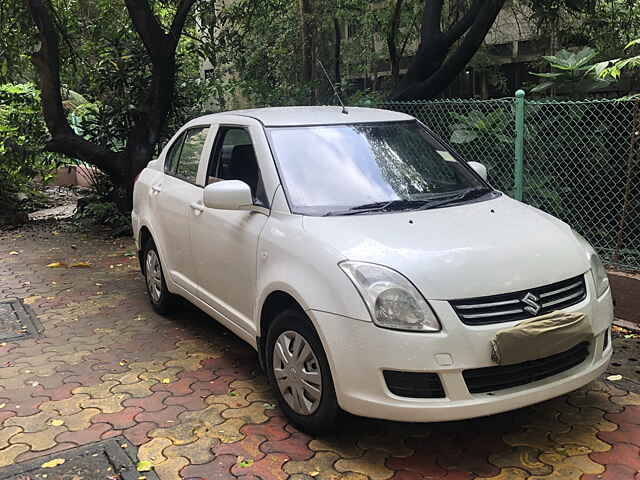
{"points": [[490, 379], [509, 307], [414, 384]]}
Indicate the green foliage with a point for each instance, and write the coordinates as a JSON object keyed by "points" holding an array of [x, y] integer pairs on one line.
{"points": [[491, 133], [477, 125], [572, 73], [365, 98], [23, 135], [99, 207], [614, 68]]}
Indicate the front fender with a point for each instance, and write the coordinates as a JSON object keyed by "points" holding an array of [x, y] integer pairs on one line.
{"points": [[306, 268]]}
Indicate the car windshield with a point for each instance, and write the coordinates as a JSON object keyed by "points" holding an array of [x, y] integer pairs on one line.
{"points": [[359, 168]]}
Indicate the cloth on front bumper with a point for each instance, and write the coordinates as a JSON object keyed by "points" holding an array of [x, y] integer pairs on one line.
{"points": [[540, 337]]}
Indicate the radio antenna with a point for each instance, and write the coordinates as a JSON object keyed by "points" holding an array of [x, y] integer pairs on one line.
{"points": [[335, 90]]}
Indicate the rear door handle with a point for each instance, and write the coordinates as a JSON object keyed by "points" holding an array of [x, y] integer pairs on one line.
{"points": [[156, 188], [198, 207]]}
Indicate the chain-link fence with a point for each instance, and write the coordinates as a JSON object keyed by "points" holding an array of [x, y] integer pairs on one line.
{"points": [[580, 160]]}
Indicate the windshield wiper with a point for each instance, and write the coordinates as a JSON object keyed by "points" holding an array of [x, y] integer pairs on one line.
{"points": [[376, 207], [395, 205], [468, 194]]}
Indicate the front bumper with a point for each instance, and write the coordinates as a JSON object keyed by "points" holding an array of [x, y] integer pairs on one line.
{"points": [[359, 351]]}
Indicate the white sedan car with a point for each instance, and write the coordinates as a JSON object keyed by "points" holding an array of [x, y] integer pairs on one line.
{"points": [[372, 269]]}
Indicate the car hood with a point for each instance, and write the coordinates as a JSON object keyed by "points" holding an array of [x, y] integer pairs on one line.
{"points": [[470, 250]]}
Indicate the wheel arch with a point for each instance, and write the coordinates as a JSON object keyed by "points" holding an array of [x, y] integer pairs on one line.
{"points": [[274, 302], [146, 233], [144, 236]]}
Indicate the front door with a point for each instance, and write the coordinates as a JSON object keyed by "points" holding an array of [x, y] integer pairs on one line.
{"points": [[225, 242]]}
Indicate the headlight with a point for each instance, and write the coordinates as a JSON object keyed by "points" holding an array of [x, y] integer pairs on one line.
{"points": [[598, 271], [392, 300]]}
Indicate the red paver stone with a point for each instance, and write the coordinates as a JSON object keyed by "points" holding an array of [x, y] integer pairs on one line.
{"points": [[200, 375], [626, 433], [218, 469], [181, 387], [422, 462], [88, 435], [268, 468], [163, 418], [630, 414], [119, 420], [615, 472], [295, 447], [138, 434], [249, 447], [59, 393], [621, 453], [194, 401], [272, 430], [152, 403]]}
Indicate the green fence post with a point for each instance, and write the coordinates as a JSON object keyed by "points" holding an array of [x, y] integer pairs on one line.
{"points": [[518, 171]]}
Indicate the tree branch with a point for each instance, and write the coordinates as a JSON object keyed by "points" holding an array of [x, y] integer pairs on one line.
{"points": [[431, 19], [438, 80], [147, 26], [47, 62], [178, 21], [463, 24]]}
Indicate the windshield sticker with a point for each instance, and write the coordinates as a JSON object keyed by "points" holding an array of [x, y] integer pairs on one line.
{"points": [[446, 155]]}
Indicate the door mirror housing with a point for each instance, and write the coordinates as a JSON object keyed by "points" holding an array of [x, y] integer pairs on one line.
{"points": [[228, 195], [479, 168]]}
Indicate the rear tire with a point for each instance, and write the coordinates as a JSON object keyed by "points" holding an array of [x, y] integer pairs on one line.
{"points": [[299, 372], [162, 300]]}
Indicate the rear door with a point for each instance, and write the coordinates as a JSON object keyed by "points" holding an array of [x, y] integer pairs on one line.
{"points": [[173, 196]]}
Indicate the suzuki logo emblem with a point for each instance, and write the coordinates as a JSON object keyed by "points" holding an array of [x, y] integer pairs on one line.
{"points": [[533, 307]]}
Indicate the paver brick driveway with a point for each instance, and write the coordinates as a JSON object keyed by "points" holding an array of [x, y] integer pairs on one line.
{"points": [[191, 397]]}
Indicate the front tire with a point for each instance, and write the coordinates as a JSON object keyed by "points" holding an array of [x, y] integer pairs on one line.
{"points": [[162, 300], [299, 372]]}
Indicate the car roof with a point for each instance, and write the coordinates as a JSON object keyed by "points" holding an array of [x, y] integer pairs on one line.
{"points": [[304, 116]]}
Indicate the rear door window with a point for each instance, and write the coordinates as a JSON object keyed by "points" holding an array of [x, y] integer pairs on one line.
{"points": [[173, 154], [190, 152]]}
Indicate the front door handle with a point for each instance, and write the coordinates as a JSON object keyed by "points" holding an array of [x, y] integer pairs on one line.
{"points": [[156, 188], [198, 207]]}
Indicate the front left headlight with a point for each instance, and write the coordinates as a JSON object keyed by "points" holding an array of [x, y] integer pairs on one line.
{"points": [[391, 299], [598, 271]]}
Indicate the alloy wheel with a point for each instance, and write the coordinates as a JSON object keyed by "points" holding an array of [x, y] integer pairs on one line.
{"points": [[153, 274], [297, 373]]}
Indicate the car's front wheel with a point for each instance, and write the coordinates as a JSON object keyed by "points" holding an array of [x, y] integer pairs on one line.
{"points": [[162, 300], [298, 369]]}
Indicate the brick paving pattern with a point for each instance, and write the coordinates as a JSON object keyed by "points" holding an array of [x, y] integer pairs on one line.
{"points": [[191, 397]]}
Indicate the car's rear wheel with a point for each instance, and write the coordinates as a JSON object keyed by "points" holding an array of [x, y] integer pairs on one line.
{"points": [[298, 369], [162, 300]]}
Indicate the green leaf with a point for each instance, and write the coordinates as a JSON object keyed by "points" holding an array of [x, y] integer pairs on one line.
{"points": [[547, 75], [463, 136], [542, 87], [632, 43], [144, 466]]}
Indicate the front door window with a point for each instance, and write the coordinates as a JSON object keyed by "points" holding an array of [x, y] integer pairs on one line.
{"points": [[234, 158]]}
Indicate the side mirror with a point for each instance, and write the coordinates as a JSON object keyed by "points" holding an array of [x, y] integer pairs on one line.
{"points": [[479, 168], [228, 195]]}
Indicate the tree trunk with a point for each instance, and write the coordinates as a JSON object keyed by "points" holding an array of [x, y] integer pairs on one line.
{"points": [[434, 65], [149, 119], [394, 57]]}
